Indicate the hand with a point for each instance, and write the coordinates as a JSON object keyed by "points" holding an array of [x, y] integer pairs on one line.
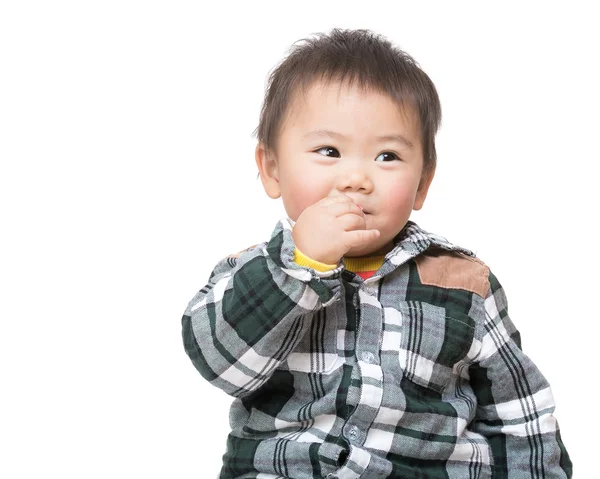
{"points": [[328, 229]]}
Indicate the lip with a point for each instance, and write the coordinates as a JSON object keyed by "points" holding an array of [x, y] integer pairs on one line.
{"points": [[360, 206]]}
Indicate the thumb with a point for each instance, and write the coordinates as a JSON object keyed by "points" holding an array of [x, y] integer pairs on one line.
{"points": [[362, 237]]}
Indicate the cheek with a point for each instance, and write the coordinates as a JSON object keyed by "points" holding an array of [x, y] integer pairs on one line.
{"points": [[401, 192], [400, 197], [300, 193]]}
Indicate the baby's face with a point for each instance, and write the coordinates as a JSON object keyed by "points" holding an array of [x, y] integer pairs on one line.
{"points": [[381, 175]]}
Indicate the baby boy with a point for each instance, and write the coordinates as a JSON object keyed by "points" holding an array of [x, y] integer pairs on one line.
{"points": [[355, 343]]}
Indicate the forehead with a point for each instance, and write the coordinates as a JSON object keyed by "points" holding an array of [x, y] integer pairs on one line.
{"points": [[326, 105]]}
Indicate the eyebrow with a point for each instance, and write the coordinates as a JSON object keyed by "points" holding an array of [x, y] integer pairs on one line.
{"points": [[333, 134]]}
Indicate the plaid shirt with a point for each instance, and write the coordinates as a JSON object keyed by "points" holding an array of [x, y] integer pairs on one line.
{"points": [[416, 372]]}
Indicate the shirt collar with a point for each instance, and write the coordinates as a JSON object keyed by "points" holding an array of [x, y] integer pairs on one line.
{"points": [[408, 243], [413, 237]]}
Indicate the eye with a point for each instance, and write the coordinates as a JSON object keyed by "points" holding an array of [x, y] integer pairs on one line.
{"points": [[390, 153], [392, 156], [327, 148]]}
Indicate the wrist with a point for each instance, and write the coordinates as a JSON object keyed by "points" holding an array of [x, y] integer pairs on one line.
{"points": [[304, 260]]}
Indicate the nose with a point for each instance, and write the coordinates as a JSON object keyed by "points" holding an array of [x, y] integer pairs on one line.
{"points": [[354, 177]]}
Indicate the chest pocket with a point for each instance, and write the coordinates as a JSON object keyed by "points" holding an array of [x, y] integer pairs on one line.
{"points": [[317, 351], [432, 343]]}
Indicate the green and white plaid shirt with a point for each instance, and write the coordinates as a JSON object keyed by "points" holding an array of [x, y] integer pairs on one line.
{"points": [[416, 372]]}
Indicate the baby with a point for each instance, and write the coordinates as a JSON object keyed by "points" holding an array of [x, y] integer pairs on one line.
{"points": [[355, 343]]}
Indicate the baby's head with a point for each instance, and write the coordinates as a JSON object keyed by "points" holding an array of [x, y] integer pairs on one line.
{"points": [[330, 111]]}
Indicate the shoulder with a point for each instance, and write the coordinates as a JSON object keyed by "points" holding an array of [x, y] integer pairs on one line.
{"points": [[453, 270], [239, 253], [226, 263]]}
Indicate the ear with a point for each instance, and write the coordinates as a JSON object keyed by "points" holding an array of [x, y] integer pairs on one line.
{"points": [[269, 171], [422, 190]]}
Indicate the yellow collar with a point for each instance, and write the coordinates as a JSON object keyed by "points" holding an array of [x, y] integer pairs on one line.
{"points": [[364, 263]]}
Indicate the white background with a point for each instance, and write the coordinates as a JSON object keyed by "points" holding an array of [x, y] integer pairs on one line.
{"points": [[127, 172]]}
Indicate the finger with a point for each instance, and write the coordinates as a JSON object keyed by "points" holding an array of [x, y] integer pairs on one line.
{"points": [[337, 198], [352, 222], [358, 238], [345, 208]]}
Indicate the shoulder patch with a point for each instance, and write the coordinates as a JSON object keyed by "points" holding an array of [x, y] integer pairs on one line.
{"points": [[453, 270], [237, 255]]}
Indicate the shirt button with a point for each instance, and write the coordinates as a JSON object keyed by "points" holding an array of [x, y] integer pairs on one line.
{"points": [[368, 357], [355, 300], [353, 433]]}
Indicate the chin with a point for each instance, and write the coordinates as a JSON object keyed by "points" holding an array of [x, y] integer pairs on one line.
{"points": [[383, 249], [367, 251], [354, 252]]}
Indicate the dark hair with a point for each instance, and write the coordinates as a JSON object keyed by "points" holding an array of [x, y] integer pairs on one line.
{"points": [[362, 57]]}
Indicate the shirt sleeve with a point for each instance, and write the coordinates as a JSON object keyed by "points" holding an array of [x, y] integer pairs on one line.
{"points": [[253, 311], [515, 404]]}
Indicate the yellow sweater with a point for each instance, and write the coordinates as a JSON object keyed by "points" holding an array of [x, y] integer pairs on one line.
{"points": [[364, 266]]}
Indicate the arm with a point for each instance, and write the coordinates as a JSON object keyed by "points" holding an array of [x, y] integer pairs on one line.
{"points": [[253, 312], [514, 400]]}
